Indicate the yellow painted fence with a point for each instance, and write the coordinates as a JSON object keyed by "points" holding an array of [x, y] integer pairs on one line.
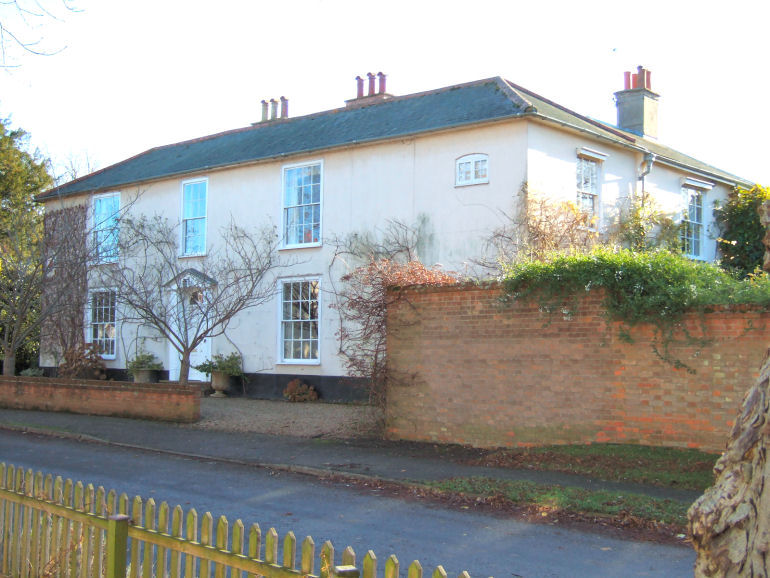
{"points": [[52, 527]]}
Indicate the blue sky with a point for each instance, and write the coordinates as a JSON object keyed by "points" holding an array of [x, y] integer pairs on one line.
{"points": [[132, 75]]}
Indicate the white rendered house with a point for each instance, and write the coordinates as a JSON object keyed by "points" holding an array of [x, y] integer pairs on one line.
{"points": [[453, 160]]}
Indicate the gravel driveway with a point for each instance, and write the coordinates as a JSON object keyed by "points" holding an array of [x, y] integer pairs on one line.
{"points": [[307, 419]]}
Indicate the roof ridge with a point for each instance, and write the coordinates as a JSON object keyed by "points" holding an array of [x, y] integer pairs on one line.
{"points": [[508, 87], [273, 122], [597, 123]]}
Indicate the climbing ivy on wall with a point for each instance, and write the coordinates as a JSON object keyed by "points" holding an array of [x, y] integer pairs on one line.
{"points": [[656, 287], [653, 286]]}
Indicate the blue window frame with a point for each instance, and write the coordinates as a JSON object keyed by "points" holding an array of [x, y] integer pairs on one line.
{"points": [[194, 195], [105, 226]]}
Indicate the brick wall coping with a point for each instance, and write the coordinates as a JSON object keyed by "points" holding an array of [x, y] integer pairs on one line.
{"points": [[169, 387]]}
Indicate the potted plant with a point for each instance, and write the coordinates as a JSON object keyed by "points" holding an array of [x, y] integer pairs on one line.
{"points": [[222, 368], [144, 367]]}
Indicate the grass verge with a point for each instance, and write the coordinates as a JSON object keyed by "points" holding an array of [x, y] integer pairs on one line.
{"points": [[556, 499], [665, 467]]}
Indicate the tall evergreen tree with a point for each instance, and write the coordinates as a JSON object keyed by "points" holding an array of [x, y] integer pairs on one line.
{"points": [[23, 175]]}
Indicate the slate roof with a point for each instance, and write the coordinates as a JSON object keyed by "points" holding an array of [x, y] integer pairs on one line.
{"points": [[488, 100]]}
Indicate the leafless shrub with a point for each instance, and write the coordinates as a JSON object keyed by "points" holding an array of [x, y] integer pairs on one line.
{"points": [[541, 225], [373, 265]]}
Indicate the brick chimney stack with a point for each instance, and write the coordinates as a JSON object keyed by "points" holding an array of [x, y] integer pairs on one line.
{"points": [[637, 104]]}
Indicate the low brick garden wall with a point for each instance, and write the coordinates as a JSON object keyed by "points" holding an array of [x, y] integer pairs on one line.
{"points": [[161, 401], [468, 370]]}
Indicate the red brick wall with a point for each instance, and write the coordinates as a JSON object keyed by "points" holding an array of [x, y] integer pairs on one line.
{"points": [[467, 369], [168, 402]]}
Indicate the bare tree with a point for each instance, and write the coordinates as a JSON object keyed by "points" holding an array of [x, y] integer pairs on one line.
{"points": [[189, 300], [373, 262], [66, 257], [19, 17], [44, 282], [74, 167]]}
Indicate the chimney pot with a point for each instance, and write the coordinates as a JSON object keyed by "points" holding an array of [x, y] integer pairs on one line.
{"points": [[284, 107], [273, 109], [359, 87], [264, 110], [626, 80], [381, 78], [640, 76], [647, 83], [371, 83]]}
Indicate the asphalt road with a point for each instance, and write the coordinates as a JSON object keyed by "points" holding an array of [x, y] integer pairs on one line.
{"points": [[485, 545]]}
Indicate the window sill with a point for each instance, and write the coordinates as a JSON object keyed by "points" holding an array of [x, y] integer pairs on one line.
{"points": [[472, 183], [302, 246], [191, 255], [315, 362]]}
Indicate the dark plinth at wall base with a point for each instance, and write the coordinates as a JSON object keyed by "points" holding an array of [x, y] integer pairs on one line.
{"points": [[330, 388]]}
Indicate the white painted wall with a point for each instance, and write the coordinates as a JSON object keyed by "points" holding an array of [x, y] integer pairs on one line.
{"points": [[552, 168], [411, 180]]}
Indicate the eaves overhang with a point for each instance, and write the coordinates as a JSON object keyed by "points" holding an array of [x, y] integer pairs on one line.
{"points": [[632, 144], [52, 195]]}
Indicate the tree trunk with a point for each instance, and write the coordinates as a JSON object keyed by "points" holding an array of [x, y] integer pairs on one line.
{"points": [[9, 365], [184, 368], [730, 523]]}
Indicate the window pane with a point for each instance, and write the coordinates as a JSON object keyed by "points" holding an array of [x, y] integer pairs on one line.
{"points": [[105, 224], [302, 205], [692, 222], [194, 217], [300, 334], [193, 237], [587, 173], [472, 169], [103, 319], [480, 169], [464, 172]]}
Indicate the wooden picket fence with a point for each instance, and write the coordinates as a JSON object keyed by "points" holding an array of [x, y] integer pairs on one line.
{"points": [[51, 527]]}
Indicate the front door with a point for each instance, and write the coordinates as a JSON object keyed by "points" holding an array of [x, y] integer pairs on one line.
{"points": [[198, 355]]}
